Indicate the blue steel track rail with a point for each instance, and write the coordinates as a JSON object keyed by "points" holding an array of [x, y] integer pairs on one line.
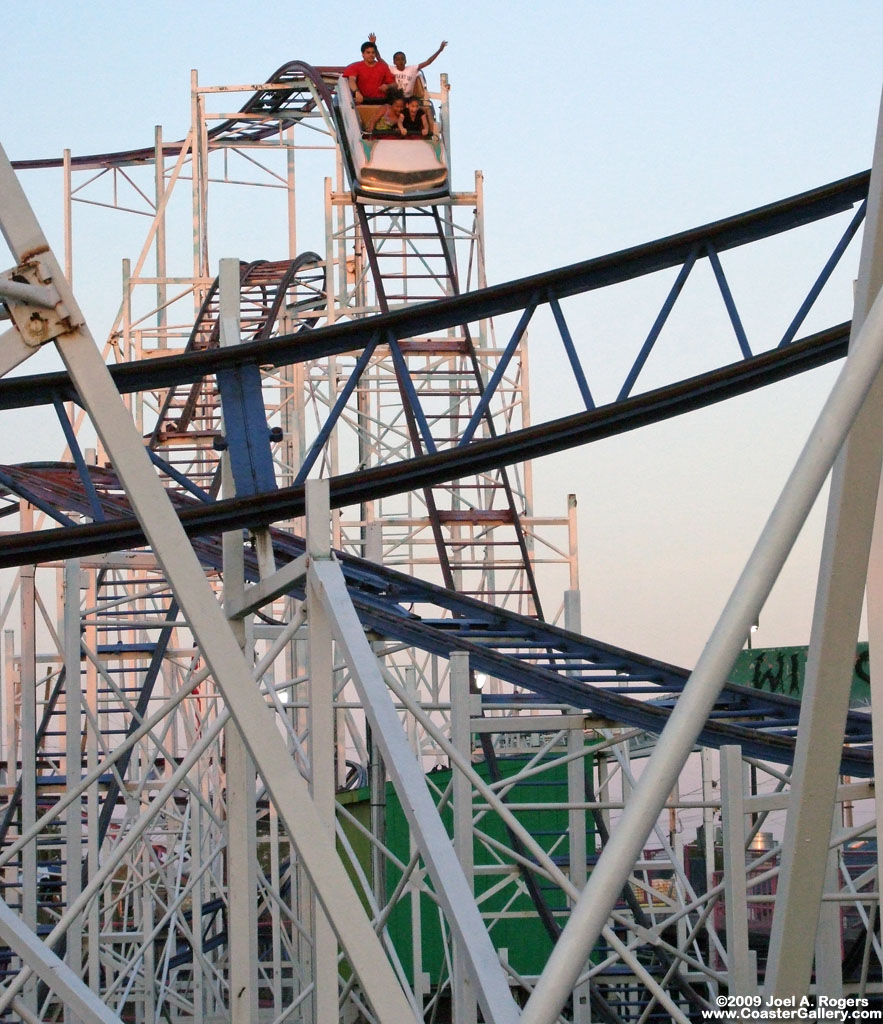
{"points": [[760, 723], [469, 307], [348, 489], [544, 660]]}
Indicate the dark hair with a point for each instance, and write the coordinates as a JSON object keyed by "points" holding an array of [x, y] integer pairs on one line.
{"points": [[366, 45], [398, 53], [394, 94], [413, 99]]}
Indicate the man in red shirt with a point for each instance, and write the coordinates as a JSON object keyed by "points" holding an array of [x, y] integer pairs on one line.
{"points": [[370, 77]]}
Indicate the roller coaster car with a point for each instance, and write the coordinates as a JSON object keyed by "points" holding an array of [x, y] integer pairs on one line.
{"points": [[397, 168]]}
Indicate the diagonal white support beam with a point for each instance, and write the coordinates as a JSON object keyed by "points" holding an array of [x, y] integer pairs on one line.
{"points": [[54, 972], [874, 230], [455, 896], [309, 834], [707, 679], [843, 573], [13, 350]]}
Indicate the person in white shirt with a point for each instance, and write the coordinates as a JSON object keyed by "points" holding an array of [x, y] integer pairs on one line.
{"points": [[406, 74]]}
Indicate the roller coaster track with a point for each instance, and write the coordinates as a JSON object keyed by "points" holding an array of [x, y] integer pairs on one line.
{"points": [[292, 98], [470, 455], [346, 489], [547, 661], [471, 390], [263, 290], [543, 662], [552, 286]]}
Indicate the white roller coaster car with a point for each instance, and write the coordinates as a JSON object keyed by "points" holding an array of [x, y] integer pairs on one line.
{"points": [[389, 167]]}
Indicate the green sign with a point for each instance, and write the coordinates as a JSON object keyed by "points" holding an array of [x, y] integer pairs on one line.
{"points": [[782, 670]]}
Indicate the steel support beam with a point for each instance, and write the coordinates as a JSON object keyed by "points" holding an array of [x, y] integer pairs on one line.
{"points": [[73, 848], [489, 981], [465, 1008], [308, 832], [709, 676], [54, 972], [321, 743], [242, 889], [740, 975], [842, 577]]}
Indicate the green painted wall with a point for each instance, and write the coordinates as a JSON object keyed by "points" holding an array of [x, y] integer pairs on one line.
{"points": [[518, 930]]}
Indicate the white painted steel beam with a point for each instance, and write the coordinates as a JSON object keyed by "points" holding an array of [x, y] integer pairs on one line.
{"points": [[13, 351], [740, 977], [51, 970], [843, 574], [308, 833], [465, 1008], [73, 829], [489, 981], [41, 296], [242, 887], [873, 240], [267, 590], [321, 743], [707, 679]]}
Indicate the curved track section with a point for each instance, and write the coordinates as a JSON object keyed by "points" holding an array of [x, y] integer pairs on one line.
{"points": [[470, 307], [264, 287], [291, 100], [544, 664], [543, 660], [189, 420], [532, 442]]}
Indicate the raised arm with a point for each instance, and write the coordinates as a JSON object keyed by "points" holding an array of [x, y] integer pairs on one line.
{"points": [[429, 60]]}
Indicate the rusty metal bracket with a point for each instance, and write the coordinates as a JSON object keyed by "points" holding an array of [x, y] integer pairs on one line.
{"points": [[34, 304]]}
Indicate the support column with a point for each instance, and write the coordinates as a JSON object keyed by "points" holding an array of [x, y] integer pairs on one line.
{"points": [[421, 981], [576, 794], [710, 791], [242, 885], [7, 720], [93, 809], [73, 846], [829, 946], [241, 825], [28, 757], [159, 181], [741, 980], [322, 747], [843, 574], [465, 1007]]}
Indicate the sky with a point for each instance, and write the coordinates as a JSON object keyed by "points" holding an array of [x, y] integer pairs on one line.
{"points": [[597, 126]]}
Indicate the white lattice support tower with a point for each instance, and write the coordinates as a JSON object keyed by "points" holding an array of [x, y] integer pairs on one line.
{"points": [[206, 619]]}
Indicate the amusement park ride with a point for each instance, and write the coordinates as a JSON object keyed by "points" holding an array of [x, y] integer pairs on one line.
{"points": [[286, 732]]}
